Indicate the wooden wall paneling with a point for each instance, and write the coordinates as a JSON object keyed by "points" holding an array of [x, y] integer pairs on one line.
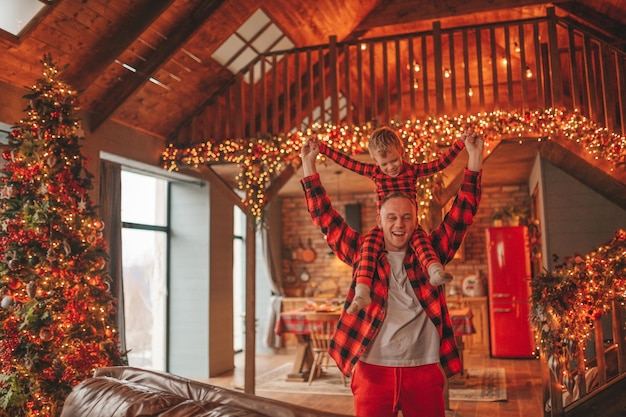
{"points": [[479, 68], [508, 67], [523, 65], [399, 113], [494, 67], [347, 63], [452, 68], [468, 90], [412, 79], [333, 85], [555, 60], [385, 89], [229, 108]]}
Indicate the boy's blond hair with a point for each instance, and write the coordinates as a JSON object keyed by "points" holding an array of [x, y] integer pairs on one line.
{"points": [[383, 140]]}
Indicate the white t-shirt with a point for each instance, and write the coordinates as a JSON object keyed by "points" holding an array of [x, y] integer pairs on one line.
{"points": [[407, 337]]}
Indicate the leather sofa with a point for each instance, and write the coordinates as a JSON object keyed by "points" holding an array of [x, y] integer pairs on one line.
{"points": [[124, 391]]}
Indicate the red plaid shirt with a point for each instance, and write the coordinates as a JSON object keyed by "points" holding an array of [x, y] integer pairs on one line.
{"points": [[406, 181], [355, 331]]}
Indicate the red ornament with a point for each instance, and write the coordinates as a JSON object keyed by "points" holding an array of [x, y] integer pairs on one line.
{"points": [[45, 334]]}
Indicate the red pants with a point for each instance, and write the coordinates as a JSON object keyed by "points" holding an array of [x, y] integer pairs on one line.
{"points": [[380, 391]]}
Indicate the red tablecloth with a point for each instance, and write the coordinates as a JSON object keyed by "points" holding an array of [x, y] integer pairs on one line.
{"points": [[293, 322]]}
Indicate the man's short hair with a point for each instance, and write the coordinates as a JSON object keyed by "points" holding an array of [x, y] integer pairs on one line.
{"points": [[399, 194], [383, 140]]}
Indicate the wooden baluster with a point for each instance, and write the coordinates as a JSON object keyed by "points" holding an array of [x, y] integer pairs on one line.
{"points": [[385, 83], [275, 108], [348, 84], [412, 80], [263, 102], [619, 335], [555, 60], [398, 114], [539, 74], [479, 61], [509, 67], [251, 116], [600, 358], [438, 66], [332, 80], [452, 64]]}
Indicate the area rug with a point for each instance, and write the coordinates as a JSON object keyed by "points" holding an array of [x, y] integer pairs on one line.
{"points": [[479, 384], [328, 384]]}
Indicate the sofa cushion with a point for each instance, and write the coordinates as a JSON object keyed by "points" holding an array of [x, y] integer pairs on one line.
{"points": [[96, 397], [202, 392]]}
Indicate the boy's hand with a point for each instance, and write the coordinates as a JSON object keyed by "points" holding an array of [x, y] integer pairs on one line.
{"points": [[308, 153]]}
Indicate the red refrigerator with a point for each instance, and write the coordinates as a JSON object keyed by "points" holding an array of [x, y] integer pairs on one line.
{"points": [[508, 260]]}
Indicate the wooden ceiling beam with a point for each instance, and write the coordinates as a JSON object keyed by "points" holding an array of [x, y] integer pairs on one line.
{"points": [[598, 20], [407, 11], [135, 80], [108, 49]]}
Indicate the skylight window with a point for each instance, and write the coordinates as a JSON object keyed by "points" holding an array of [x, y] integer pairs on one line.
{"points": [[254, 37], [17, 14]]}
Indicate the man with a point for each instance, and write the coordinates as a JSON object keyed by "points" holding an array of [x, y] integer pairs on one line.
{"points": [[394, 346]]}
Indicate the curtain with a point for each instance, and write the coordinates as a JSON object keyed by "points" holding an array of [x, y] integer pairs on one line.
{"points": [[274, 307], [111, 214]]}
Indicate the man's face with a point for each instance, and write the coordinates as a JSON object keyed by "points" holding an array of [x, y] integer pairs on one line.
{"points": [[397, 219]]}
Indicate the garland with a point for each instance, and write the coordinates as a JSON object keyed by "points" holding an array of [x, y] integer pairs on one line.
{"points": [[567, 301], [263, 159]]}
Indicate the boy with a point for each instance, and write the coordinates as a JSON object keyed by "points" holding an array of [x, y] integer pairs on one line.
{"points": [[391, 173]]}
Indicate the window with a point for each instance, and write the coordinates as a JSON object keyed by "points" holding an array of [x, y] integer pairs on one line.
{"points": [[254, 37], [17, 14], [144, 259]]}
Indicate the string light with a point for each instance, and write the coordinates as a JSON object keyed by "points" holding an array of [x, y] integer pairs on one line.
{"points": [[262, 160]]}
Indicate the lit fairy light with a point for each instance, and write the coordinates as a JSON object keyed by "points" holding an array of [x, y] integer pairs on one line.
{"points": [[262, 160]]}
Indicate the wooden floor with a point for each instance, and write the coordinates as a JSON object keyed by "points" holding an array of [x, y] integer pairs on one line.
{"points": [[523, 379]]}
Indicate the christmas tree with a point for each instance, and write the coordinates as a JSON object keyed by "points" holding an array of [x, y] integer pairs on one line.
{"points": [[56, 307]]}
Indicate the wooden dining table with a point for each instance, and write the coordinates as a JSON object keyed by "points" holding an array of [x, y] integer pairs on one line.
{"points": [[295, 322]]}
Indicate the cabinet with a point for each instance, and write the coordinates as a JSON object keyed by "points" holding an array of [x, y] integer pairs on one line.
{"points": [[478, 342]]}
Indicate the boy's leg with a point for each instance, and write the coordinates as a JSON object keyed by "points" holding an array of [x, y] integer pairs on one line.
{"points": [[372, 245], [428, 258]]}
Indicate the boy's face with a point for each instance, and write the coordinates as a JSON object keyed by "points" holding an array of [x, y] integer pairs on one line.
{"points": [[391, 163]]}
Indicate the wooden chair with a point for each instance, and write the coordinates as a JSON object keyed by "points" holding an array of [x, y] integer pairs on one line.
{"points": [[321, 328]]}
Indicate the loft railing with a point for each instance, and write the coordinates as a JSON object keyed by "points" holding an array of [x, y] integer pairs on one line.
{"points": [[535, 63]]}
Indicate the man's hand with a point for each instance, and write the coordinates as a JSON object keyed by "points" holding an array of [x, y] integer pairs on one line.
{"points": [[474, 143], [308, 153]]}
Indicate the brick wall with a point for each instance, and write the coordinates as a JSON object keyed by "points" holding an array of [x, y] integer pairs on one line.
{"points": [[298, 228]]}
